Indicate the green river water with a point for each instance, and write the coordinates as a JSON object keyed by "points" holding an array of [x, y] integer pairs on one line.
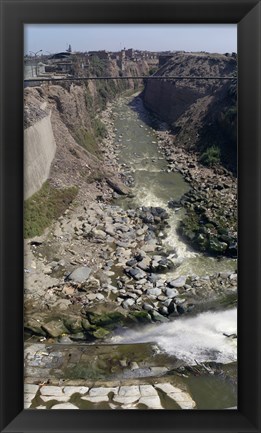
{"points": [[154, 186], [137, 149]]}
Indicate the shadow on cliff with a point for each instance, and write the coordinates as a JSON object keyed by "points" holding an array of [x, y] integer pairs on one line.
{"points": [[218, 127], [210, 122], [147, 116]]}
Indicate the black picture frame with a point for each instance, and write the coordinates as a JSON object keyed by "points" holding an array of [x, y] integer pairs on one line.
{"points": [[247, 15]]}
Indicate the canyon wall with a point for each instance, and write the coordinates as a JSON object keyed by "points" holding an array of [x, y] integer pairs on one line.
{"points": [[171, 98], [39, 151], [63, 132], [201, 113]]}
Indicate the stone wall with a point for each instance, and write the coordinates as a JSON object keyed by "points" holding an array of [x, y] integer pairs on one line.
{"points": [[39, 151]]}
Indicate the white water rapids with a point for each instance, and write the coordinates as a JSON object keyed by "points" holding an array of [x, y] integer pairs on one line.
{"points": [[196, 339]]}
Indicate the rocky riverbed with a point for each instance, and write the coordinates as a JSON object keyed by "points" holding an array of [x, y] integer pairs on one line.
{"points": [[107, 268], [211, 204], [102, 267]]}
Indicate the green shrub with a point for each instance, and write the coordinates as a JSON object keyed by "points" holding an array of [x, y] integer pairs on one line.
{"points": [[97, 66], [87, 139], [89, 100], [100, 128], [211, 156], [152, 70], [44, 206]]}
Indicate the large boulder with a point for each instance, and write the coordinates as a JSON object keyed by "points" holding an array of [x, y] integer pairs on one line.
{"points": [[128, 303], [55, 328], [110, 320], [80, 275], [178, 282], [158, 317], [162, 265], [171, 293], [136, 273]]}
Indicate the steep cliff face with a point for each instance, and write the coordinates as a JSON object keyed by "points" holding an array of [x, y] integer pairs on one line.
{"points": [[201, 113], [39, 151], [65, 118]]}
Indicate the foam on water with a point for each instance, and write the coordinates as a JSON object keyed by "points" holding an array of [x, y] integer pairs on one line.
{"points": [[155, 186], [148, 198], [196, 339]]}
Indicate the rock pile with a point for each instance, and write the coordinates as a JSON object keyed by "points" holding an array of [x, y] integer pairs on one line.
{"points": [[211, 221]]}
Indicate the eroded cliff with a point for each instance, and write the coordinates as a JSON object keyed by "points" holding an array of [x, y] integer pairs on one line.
{"points": [[201, 112], [65, 141]]}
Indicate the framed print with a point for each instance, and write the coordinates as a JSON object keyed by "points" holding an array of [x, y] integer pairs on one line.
{"points": [[130, 209]]}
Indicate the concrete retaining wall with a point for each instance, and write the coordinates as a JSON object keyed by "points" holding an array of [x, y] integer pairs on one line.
{"points": [[39, 151]]}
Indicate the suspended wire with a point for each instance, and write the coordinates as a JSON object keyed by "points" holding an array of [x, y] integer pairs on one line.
{"points": [[149, 77]]}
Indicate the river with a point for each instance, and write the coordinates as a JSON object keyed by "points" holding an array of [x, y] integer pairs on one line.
{"points": [[192, 339], [136, 140]]}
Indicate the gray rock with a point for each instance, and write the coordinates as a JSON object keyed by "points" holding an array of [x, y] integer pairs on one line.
{"points": [[99, 233], [147, 307], [123, 244], [164, 310], [70, 390], [87, 228], [101, 391], [138, 291], [64, 339], [55, 328], [167, 302], [152, 402], [162, 298], [129, 391], [158, 371], [172, 308], [144, 264], [135, 273], [79, 336], [153, 278], [128, 303], [53, 264], [134, 366], [120, 300], [91, 296], [171, 293], [224, 275], [163, 265], [154, 292], [158, 317], [179, 282], [51, 390], [148, 391], [131, 262], [180, 309], [109, 229], [142, 281], [80, 274], [180, 301], [132, 295]]}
